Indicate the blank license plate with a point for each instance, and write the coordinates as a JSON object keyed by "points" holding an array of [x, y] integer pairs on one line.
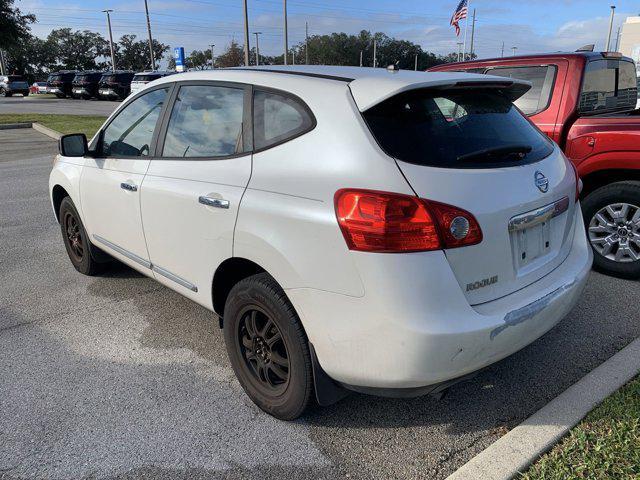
{"points": [[532, 243]]}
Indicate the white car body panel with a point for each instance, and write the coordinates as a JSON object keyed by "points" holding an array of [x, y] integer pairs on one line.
{"points": [[375, 320], [184, 237]]}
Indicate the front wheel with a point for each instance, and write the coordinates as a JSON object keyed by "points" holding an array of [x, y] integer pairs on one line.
{"points": [[82, 253], [267, 347], [612, 217]]}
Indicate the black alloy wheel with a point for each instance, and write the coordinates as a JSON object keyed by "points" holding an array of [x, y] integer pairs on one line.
{"points": [[263, 350]]}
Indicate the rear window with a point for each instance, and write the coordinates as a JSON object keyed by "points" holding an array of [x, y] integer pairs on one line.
{"points": [[146, 77], [277, 118], [541, 77], [456, 129], [16, 78], [608, 85]]}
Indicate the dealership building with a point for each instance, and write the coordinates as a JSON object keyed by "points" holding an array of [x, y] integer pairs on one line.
{"points": [[630, 38]]}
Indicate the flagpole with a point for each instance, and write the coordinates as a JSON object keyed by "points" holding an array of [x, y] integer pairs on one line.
{"points": [[466, 27]]}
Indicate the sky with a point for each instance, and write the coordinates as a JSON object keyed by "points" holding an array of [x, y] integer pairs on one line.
{"points": [[532, 26]]}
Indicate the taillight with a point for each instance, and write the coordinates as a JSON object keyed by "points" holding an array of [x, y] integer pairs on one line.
{"points": [[373, 221], [579, 183]]}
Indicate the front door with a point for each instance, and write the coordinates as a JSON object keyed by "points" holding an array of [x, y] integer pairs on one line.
{"points": [[110, 183], [194, 184]]}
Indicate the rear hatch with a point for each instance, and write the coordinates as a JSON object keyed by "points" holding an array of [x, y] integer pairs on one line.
{"points": [[468, 146], [17, 82]]}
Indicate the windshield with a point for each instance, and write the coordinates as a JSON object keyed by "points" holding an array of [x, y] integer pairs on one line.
{"points": [[456, 129]]}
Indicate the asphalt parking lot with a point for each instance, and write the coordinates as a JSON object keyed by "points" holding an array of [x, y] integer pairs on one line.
{"points": [[119, 377], [50, 104]]}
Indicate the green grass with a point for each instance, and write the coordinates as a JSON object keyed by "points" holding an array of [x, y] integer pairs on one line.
{"points": [[87, 124], [605, 445]]}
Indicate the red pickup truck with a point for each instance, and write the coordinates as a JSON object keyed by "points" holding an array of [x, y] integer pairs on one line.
{"points": [[585, 101]]}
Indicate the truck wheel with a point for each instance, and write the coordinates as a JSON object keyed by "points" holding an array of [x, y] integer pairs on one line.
{"points": [[612, 217], [267, 347], [83, 255]]}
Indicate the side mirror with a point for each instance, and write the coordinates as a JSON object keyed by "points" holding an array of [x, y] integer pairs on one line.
{"points": [[73, 145]]}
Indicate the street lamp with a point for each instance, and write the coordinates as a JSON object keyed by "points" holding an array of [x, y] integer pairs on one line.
{"points": [[257, 48], [113, 56], [212, 45]]}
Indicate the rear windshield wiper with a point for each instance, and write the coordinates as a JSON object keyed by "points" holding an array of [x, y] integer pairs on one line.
{"points": [[504, 151]]}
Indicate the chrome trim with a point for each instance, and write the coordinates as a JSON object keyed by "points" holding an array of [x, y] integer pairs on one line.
{"points": [[175, 278], [213, 202], [122, 251], [147, 264], [539, 215], [128, 186]]}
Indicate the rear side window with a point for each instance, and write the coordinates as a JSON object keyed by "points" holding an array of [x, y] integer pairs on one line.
{"points": [[541, 77], [278, 117], [456, 129], [206, 121], [131, 131], [608, 85]]}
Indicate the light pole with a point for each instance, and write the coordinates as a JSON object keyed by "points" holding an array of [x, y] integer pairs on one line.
{"points": [[514, 50], [286, 33], [459, 50], [212, 45], [360, 57], [153, 60], [613, 10], [306, 43], [375, 46], [113, 56], [415, 65], [246, 34], [257, 48]]}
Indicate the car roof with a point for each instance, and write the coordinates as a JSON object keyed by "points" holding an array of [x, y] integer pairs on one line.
{"points": [[369, 86]]}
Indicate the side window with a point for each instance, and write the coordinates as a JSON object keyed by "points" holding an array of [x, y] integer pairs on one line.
{"points": [[277, 117], [130, 133], [206, 121], [538, 97]]}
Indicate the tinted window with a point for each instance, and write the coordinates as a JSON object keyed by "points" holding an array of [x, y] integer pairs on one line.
{"points": [[130, 133], [146, 77], [542, 78], [456, 129], [206, 121], [278, 117], [608, 85]]}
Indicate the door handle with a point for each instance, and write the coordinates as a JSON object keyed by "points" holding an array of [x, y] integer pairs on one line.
{"points": [[129, 186], [214, 202]]}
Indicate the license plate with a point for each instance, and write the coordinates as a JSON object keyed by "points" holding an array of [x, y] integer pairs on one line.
{"points": [[78, 90], [532, 243], [105, 92]]}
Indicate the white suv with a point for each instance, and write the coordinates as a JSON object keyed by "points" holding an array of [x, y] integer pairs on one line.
{"points": [[363, 229]]}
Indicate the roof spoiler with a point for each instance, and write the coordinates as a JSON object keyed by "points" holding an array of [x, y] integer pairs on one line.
{"points": [[587, 48]]}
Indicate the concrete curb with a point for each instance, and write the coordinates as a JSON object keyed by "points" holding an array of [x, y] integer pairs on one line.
{"points": [[11, 126], [519, 448], [35, 125], [46, 131]]}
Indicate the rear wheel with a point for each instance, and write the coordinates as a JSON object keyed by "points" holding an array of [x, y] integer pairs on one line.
{"points": [[267, 347], [612, 217], [81, 251]]}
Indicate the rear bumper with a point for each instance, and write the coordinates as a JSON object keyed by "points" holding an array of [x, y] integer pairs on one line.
{"points": [[414, 327]]}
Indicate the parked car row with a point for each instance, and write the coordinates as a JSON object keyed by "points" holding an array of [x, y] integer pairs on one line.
{"points": [[115, 85]]}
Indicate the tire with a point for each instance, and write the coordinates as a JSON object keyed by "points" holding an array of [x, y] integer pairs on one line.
{"points": [[82, 253], [263, 333], [614, 232], [60, 95], [25, 94]]}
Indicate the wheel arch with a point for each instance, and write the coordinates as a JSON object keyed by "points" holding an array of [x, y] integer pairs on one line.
{"points": [[228, 273], [58, 193], [599, 178]]}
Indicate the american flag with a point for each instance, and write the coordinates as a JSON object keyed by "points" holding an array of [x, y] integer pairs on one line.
{"points": [[459, 14]]}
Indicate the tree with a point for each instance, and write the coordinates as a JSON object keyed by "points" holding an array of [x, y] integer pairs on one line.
{"points": [[14, 26], [32, 57], [199, 59], [78, 50], [133, 54], [233, 56]]}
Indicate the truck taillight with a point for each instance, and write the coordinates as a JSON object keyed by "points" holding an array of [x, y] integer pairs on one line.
{"points": [[384, 222]]}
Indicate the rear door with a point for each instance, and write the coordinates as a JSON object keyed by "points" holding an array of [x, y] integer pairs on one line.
{"points": [[472, 149], [193, 188]]}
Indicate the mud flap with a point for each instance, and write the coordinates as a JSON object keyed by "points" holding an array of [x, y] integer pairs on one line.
{"points": [[327, 391]]}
